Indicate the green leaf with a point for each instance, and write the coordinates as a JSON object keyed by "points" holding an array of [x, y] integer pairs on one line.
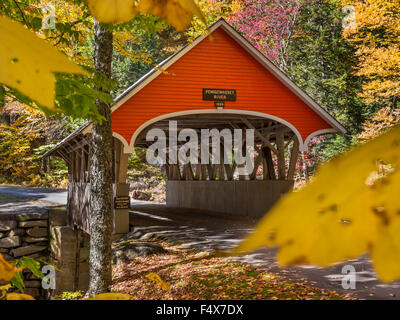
{"points": [[17, 281]]}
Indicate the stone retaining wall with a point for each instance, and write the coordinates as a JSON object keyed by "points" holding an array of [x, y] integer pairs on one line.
{"points": [[43, 234], [26, 234]]}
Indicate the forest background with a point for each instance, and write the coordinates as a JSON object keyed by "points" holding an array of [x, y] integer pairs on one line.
{"points": [[347, 63]]}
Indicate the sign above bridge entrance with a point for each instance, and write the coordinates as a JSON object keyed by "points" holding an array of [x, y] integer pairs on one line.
{"points": [[219, 94]]}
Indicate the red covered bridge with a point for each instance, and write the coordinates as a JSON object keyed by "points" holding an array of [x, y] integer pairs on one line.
{"points": [[262, 98]]}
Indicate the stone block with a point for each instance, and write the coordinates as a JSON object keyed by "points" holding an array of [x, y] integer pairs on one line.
{"points": [[57, 217], [10, 242], [40, 215], [63, 247], [33, 223], [7, 225], [16, 232], [66, 276], [37, 232], [35, 239], [34, 292], [62, 244], [27, 250], [33, 283]]}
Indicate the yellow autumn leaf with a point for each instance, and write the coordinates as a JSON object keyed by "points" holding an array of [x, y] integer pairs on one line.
{"points": [[111, 296], [7, 270], [341, 214], [28, 63], [3, 290], [157, 280], [178, 13], [19, 296], [112, 11]]}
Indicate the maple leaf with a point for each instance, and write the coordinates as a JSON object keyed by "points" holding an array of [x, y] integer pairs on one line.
{"points": [[178, 13], [28, 63], [342, 214], [157, 279], [112, 11], [19, 296], [7, 270]]}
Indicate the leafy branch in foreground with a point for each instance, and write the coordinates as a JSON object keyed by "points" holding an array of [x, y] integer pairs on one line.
{"points": [[28, 63], [352, 207]]}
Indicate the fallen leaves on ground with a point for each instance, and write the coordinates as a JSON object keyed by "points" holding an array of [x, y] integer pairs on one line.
{"points": [[18, 296], [111, 296], [351, 208], [194, 275], [157, 279]]}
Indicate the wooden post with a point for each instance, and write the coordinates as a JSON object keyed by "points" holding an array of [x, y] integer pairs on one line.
{"points": [[187, 172], [221, 167], [304, 167], [77, 258], [280, 144], [210, 170], [121, 162], [294, 154], [203, 168], [83, 165], [257, 162], [269, 163], [265, 167], [123, 167]]}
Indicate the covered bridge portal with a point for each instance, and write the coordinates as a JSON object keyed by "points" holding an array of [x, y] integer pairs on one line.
{"points": [[255, 95]]}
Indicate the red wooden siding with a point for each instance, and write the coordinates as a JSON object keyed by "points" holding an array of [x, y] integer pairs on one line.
{"points": [[221, 63]]}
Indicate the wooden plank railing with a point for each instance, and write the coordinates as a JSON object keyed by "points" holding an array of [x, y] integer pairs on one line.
{"points": [[79, 205]]}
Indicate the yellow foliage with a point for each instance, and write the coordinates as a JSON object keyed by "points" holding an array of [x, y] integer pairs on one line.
{"points": [[350, 208], [3, 290], [384, 119], [111, 296], [19, 296], [7, 270], [376, 37], [112, 11], [157, 279], [68, 11], [178, 13], [28, 63]]}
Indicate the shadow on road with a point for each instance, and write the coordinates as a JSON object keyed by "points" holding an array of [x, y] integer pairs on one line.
{"points": [[206, 231]]}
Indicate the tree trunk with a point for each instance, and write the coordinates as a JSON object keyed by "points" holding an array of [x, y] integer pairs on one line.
{"points": [[101, 175]]}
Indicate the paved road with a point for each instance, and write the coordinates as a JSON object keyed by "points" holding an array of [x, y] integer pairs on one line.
{"points": [[197, 230], [50, 195]]}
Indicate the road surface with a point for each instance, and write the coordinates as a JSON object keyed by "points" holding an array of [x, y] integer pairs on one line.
{"points": [[193, 229], [50, 195]]}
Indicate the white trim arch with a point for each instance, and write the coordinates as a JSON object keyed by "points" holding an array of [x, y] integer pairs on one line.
{"points": [[124, 142], [316, 133], [130, 148]]}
